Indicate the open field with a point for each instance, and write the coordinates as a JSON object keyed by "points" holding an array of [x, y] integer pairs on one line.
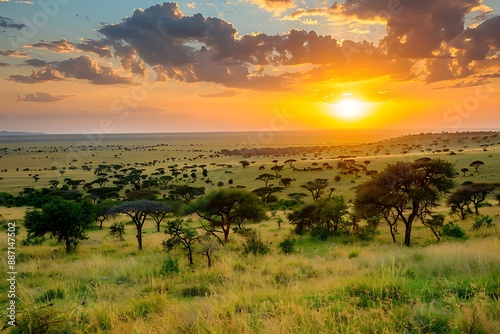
{"points": [[341, 285]]}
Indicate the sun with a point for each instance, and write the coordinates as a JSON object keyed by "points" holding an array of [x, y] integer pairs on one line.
{"points": [[349, 109]]}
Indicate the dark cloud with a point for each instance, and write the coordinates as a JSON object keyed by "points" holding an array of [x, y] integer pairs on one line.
{"points": [[101, 48], [480, 42], [6, 22], [38, 76], [229, 93], [199, 49], [42, 97], [36, 62], [415, 29], [13, 53], [84, 68]]}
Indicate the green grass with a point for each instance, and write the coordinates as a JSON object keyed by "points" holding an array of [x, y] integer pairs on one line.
{"points": [[341, 285]]}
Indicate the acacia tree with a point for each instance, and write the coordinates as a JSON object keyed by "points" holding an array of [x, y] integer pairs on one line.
{"points": [[470, 194], [138, 211], [315, 187], [66, 220], [222, 208], [180, 234], [266, 177], [408, 189], [476, 164]]}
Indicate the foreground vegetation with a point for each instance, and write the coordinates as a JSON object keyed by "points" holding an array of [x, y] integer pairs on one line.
{"points": [[339, 285], [308, 255]]}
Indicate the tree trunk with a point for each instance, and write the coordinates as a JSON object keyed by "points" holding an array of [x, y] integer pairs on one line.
{"points": [[158, 227], [190, 255], [68, 244], [139, 236], [408, 234]]}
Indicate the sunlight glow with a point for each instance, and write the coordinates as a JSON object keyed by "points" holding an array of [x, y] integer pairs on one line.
{"points": [[349, 109]]}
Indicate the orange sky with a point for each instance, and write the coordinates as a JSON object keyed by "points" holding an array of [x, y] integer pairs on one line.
{"points": [[251, 65]]}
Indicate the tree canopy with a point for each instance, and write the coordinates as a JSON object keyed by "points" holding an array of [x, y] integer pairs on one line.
{"points": [[138, 211], [66, 220], [223, 207], [406, 191]]}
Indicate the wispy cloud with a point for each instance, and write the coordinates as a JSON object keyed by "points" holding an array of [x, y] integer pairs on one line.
{"points": [[42, 97], [225, 94]]}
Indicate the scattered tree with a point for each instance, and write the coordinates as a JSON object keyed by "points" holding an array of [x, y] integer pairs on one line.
{"points": [[316, 187], [464, 170], [181, 234], [117, 230], [265, 178], [138, 211], [66, 220], [476, 164], [408, 190], [222, 207]]}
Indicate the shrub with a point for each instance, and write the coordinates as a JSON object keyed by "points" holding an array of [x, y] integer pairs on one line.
{"points": [[353, 254], [117, 230], [320, 232], [453, 230], [32, 240], [255, 246], [170, 266], [479, 221], [287, 246]]}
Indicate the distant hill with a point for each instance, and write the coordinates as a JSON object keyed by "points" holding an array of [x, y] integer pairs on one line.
{"points": [[8, 133]]}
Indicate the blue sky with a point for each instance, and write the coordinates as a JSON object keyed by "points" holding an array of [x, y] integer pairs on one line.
{"points": [[64, 64]]}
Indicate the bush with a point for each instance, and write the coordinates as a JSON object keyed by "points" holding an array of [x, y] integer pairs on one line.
{"points": [[170, 266], [287, 246], [117, 230], [255, 246], [453, 230], [479, 222], [32, 240], [320, 232]]}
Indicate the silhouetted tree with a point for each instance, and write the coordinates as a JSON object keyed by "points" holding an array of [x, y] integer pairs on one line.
{"points": [[476, 164], [265, 178]]}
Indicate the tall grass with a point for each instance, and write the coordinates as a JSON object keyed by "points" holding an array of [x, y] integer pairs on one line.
{"points": [[109, 287]]}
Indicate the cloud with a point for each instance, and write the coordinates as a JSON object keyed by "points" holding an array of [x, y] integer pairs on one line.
{"points": [[480, 42], [6, 22], [38, 76], [101, 48], [275, 6], [36, 62], [84, 68], [225, 94], [42, 97], [13, 54], [61, 46], [164, 38]]}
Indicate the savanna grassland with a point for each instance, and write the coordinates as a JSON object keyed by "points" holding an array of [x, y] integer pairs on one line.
{"points": [[344, 284]]}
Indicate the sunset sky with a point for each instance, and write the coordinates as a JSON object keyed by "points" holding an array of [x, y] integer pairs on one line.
{"points": [[69, 66]]}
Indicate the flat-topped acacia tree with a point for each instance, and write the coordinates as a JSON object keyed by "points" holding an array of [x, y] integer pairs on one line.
{"points": [[138, 211], [405, 190], [224, 207]]}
